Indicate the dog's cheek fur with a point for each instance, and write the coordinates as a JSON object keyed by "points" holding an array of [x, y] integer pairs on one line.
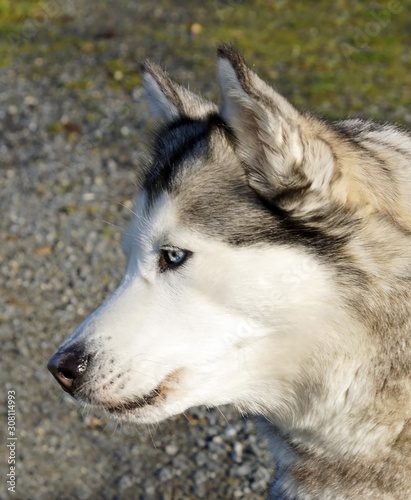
{"points": [[259, 332]]}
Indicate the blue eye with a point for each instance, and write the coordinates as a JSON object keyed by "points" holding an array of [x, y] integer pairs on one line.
{"points": [[172, 257]]}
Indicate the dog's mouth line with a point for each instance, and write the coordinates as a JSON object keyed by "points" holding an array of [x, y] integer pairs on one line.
{"points": [[134, 404]]}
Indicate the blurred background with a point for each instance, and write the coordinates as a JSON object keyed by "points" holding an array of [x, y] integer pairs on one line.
{"points": [[73, 126]]}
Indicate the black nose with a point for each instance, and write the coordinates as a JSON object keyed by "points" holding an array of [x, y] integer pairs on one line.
{"points": [[68, 368]]}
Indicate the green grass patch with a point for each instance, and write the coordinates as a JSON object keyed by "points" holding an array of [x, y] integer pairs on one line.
{"points": [[334, 57]]}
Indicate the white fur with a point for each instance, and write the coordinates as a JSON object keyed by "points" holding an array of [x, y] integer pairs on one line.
{"points": [[160, 105], [229, 321]]}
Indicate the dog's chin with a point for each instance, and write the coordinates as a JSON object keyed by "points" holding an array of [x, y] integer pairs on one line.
{"points": [[148, 408], [143, 416], [134, 404]]}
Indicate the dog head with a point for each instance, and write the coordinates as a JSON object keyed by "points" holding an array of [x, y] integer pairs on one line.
{"points": [[229, 296]]}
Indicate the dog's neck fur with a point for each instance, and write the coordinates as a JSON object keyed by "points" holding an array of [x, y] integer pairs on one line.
{"points": [[336, 450], [306, 471]]}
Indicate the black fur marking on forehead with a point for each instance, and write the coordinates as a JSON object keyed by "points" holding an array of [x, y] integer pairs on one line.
{"points": [[173, 143], [240, 217]]}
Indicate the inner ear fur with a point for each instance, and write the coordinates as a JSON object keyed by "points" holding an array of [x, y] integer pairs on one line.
{"points": [[169, 100], [276, 143]]}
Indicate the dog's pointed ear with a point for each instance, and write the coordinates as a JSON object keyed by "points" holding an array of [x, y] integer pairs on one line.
{"points": [[168, 99], [280, 152]]}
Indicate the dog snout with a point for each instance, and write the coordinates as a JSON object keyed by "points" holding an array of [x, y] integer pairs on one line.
{"points": [[69, 368]]}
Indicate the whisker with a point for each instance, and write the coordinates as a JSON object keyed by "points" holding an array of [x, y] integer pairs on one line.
{"points": [[127, 208], [222, 414], [111, 224], [151, 437]]}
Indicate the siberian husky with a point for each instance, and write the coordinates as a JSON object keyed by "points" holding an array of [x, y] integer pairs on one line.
{"points": [[269, 266]]}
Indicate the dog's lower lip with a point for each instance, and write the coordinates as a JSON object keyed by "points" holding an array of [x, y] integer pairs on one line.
{"points": [[134, 404]]}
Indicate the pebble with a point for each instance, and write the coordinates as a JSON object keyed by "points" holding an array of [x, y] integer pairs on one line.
{"points": [[30, 100], [12, 110], [171, 449], [238, 452], [244, 470]]}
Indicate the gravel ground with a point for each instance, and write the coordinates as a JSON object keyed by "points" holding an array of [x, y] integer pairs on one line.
{"points": [[67, 183]]}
